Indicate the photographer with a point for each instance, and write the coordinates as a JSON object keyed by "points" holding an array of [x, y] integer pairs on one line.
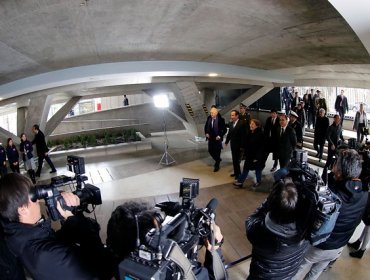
{"points": [[122, 235], [344, 182], [74, 252], [278, 245]]}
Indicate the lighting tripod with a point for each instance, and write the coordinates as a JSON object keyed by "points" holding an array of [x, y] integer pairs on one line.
{"points": [[166, 158]]}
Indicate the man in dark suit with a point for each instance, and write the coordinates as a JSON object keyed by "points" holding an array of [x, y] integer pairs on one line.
{"points": [[215, 130], [341, 105], [271, 136], [42, 150], [287, 141], [333, 135], [244, 115], [296, 100], [236, 136], [293, 122]]}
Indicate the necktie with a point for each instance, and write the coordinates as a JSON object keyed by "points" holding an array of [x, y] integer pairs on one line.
{"points": [[282, 132], [212, 122]]}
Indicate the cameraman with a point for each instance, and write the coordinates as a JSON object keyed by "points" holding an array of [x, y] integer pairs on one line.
{"points": [[74, 252], [278, 245], [122, 235], [344, 182]]}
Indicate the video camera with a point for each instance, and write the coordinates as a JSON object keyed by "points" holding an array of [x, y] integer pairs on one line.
{"points": [[155, 258], [319, 206], [88, 194]]}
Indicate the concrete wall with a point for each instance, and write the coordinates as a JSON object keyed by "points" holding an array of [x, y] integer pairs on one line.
{"points": [[144, 117]]}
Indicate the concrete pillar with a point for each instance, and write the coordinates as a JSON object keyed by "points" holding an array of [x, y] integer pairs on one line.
{"points": [[37, 113], [60, 115], [21, 120]]}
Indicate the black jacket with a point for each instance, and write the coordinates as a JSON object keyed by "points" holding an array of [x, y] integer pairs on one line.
{"points": [[12, 154], [286, 144], [354, 201], [40, 143], [333, 134], [27, 149], [255, 155], [298, 131], [277, 251], [236, 135], [221, 128], [321, 128], [2, 155], [49, 255]]}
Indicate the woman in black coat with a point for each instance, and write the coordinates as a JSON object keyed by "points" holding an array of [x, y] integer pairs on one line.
{"points": [[254, 154], [322, 124], [13, 156]]}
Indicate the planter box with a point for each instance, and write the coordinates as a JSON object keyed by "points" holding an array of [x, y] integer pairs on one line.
{"points": [[105, 150]]}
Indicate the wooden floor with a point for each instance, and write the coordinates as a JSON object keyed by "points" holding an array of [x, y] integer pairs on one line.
{"points": [[235, 205]]}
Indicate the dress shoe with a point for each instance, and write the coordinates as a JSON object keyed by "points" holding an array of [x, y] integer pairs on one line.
{"points": [[273, 169], [232, 175], [216, 168], [358, 254], [355, 245], [53, 171], [238, 185]]}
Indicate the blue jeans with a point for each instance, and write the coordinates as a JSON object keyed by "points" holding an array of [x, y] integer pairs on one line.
{"points": [[245, 172]]}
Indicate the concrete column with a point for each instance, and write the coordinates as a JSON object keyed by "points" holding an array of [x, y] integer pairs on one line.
{"points": [[21, 119], [37, 113], [60, 115]]}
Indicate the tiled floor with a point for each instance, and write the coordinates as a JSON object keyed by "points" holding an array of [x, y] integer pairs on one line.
{"points": [[138, 176]]}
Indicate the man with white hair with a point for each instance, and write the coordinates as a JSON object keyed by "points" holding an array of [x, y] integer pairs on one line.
{"points": [[215, 130]]}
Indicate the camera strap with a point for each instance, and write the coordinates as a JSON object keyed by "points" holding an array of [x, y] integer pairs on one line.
{"points": [[178, 257]]}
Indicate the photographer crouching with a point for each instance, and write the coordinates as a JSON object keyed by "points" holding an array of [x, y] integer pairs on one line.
{"points": [[74, 252], [163, 243]]}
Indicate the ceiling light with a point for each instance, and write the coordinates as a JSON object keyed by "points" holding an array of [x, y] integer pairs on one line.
{"points": [[212, 75]]}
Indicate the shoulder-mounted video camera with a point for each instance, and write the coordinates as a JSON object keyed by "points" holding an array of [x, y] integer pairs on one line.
{"points": [[319, 206], [155, 258], [88, 194]]}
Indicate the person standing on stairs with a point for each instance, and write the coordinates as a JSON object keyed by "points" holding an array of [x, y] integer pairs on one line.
{"points": [[333, 135], [322, 124], [26, 150]]}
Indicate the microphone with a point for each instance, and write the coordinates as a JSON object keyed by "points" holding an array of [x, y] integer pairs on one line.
{"points": [[211, 206]]}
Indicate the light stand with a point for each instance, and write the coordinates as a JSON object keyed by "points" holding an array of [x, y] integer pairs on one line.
{"points": [[166, 158], [161, 101]]}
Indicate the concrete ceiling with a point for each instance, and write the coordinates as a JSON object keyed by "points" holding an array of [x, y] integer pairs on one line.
{"points": [[80, 47]]}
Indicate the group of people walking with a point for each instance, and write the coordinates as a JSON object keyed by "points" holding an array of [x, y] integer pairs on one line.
{"points": [[250, 141], [10, 154]]}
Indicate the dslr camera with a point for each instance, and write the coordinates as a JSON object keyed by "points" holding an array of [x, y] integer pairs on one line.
{"points": [[155, 258], [88, 194]]}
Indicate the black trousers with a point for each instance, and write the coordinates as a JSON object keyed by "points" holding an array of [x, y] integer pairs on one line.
{"points": [[41, 160], [318, 145], [360, 134], [341, 114], [330, 159], [214, 149], [235, 153], [14, 168]]}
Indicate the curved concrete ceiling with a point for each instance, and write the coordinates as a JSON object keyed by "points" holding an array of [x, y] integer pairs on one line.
{"points": [[50, 44]]}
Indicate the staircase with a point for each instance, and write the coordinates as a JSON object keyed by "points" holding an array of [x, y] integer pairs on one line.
{"points": [[308, 146]]}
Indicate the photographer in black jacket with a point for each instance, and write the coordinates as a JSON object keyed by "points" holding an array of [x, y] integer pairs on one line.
{"points": [[74, 252], [122, 235], [278, 245], [344, 182]]}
